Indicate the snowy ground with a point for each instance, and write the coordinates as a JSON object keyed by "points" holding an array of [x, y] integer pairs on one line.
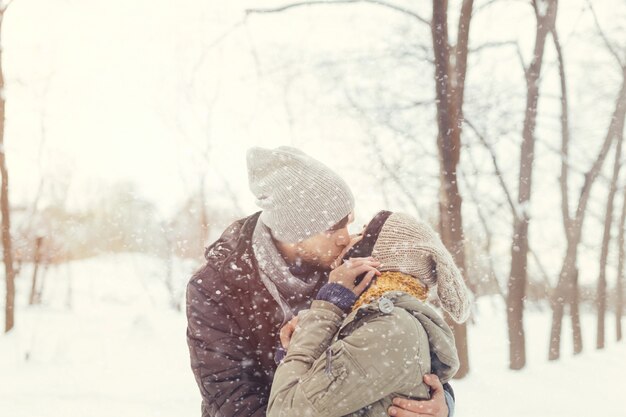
{"points": [[590, 384], [113, 346]]}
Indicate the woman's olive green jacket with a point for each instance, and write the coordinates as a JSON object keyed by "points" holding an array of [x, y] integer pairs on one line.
{"points": [[355, 365]]}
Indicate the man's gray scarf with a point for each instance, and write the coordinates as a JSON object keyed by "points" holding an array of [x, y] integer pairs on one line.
{"points": [[290, 292]]}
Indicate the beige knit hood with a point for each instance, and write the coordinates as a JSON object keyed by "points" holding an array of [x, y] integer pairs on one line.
{"points": [[408, 245]]}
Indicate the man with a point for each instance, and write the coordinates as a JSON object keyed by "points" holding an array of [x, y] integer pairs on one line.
{"points": [[260, 273]]}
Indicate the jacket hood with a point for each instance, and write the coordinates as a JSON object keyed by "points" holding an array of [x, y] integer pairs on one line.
{"points": [[444, 357], [231, 258]]}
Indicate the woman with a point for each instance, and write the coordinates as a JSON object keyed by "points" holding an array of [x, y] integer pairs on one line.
{"points": [[337, 365]]}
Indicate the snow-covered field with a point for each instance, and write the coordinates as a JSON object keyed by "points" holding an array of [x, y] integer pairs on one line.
{"points": [[113, 346], [590, 384]]}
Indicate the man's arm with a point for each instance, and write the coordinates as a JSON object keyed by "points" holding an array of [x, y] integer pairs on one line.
{"points": [[221, 359]]}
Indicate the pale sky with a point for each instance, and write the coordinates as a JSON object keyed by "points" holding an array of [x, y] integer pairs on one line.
{"points": [[138, 90]]}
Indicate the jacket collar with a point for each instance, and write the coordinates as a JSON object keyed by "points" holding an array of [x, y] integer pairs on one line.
{"points": [[240, 267], [232, 257], [444, 357]]}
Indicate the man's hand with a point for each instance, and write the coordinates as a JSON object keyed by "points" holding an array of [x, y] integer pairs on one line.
{"points": [[435, 407], [286, 331], [346, 273]]}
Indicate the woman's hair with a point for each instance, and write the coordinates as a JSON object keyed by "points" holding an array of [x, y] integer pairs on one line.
{"points": [[363, 248]]}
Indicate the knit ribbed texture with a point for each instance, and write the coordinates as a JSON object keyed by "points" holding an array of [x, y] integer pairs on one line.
{"points": [[300, 197], [337, 294], [413, 247], [291, 293]]}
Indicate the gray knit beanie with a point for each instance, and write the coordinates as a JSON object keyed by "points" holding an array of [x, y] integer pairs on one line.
{"points": [[299, 195], [414, 248]]}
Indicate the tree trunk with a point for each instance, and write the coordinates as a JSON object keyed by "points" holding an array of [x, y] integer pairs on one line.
{"points": [[619, 301], [516, 294], [604, 253], [574, 298], [519, 246], [559, 299], [42, 282], [37, 259], [69, 295], [9, 320], [204, 217], [449, 86], [563, 181]]}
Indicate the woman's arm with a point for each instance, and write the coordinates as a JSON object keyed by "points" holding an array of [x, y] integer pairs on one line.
{"points": [[378, 358]]}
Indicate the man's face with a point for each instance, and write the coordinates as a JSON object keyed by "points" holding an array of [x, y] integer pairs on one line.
{"points": [[354, 239], [322, 249]]}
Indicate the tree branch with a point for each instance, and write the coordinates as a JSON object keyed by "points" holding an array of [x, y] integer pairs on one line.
{"points": [[492, 45], [212, 44], [5, 6], [546, 278], [393, 174], [604, 37], [488, 233], [489, 3], [387, 123], [497, 170], [484, 6], [322, 2], [616, 125], [521, 59], [481, 216], [563, 180]]}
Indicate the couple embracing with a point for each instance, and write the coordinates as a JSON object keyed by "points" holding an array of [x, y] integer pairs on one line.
{"points": [[292, 316]]}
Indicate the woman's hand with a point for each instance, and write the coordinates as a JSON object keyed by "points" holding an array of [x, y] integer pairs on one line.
{"points": [[287, 331], [346, 273]]}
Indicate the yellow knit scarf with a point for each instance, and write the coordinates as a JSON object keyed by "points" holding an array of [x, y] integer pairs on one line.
{"points": [[392, 281]]}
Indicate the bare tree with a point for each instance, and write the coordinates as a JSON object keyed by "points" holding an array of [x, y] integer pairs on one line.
{"points": [[390, 170], [563, 183], [515, 213], [606, 238], [28, 224], [194, 122], [33, 298], [4, 203], [450, 73], [519, 246], [619, 302], [174, 296], [484, 221], [566, 289]]}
